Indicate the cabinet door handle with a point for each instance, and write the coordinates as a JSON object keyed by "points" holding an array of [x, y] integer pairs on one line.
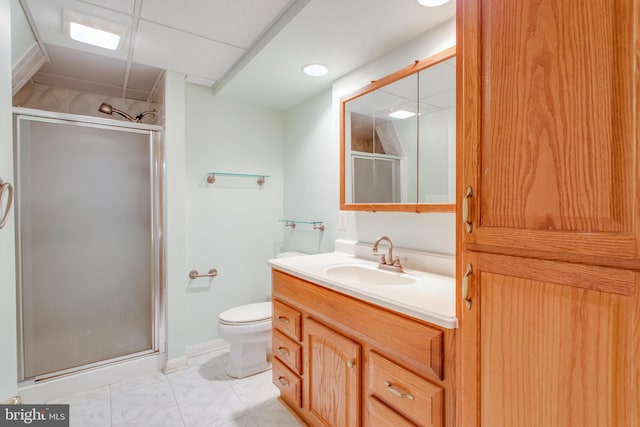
{"points": [[466, 211], [283, 381], [284, 351], [397, 392], [350, 364], [465, 286], [283, 319]]}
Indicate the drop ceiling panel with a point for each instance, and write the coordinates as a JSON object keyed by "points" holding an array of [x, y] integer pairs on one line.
{"points": [[47, 15], [124, 6], [234, 22], [164, 47], [142, 77], [79, 85], [67, 62]]}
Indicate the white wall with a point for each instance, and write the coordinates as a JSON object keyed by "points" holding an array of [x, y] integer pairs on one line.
{"points": [[312, 161], [175, 256], [8, 351], [311, 180], [232, 225]]}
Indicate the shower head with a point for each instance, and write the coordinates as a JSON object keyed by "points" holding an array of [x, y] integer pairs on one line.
{"points": [[109, 109]]}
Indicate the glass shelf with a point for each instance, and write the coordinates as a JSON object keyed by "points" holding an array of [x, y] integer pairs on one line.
{"points": [[317, 225], [211, 176]]}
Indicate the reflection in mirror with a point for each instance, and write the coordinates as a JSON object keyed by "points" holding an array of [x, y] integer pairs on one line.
{"points": [[398, 140], [437, 133], [383, 144]]}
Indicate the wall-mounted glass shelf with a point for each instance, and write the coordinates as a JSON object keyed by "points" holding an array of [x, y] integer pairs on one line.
{"points": [[317, 225], [211, 176]]}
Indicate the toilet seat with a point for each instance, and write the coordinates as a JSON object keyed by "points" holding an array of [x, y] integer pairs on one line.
{"points": [[249, 314]]}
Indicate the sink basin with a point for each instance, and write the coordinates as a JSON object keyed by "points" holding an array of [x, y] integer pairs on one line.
{"points": [[357, 274]]}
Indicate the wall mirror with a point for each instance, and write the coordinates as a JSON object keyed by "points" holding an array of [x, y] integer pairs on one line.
{"points": [[397, 140]]}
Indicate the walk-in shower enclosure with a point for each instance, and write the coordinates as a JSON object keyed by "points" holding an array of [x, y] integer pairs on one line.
{"points": [[89, 221]]}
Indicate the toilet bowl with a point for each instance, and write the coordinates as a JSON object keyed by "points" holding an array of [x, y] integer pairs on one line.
{"points": [[248, 330]]}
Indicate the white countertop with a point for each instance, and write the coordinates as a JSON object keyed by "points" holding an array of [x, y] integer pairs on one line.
{"points": [[431, 298]]}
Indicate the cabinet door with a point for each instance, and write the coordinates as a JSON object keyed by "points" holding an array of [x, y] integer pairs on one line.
{"points": [[542, 345], [547, 120], [332, 372]]}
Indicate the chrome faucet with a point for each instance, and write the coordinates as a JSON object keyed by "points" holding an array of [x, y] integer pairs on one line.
{"points": [[387, 262]]}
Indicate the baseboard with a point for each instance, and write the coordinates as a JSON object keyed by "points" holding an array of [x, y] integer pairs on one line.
{"points": [[207, 346], [176, 364]]}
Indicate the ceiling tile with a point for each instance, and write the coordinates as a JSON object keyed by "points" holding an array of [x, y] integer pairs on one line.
{"points": [[143, 77], [124, 6], [47, 15], [87, 66], [234, 22], [174, 50], [79, 85]]}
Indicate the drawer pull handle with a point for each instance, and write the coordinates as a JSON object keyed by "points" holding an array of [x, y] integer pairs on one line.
{"points": [[283, 319], [284, 351], [283, 381], [350, 364], [398, 393]]}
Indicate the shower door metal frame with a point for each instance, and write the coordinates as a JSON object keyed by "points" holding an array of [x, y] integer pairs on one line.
{"points": [[157, 210]]}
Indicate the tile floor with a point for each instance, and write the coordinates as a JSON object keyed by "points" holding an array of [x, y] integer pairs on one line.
{"points": [[198, 396]]}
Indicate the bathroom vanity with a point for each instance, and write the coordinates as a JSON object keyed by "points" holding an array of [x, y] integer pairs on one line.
{"points": [[347, 354]]}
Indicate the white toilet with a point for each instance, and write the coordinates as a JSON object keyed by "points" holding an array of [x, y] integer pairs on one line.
{"points": [[248, 329]]}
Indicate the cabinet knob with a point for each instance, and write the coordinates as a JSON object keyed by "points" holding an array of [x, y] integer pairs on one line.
{"points": [[283, 381], [282, 319], [397, 392], [350, 364], [284, 351]]}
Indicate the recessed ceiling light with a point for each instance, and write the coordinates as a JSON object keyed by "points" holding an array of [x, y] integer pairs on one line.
{"points": [[401, 114], [315, 70], [432, 3], [93, 31]]}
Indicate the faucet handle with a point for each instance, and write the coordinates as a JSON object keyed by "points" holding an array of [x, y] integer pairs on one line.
{"points": [[383, 257]]}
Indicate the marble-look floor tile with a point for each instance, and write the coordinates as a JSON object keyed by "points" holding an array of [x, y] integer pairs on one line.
{"points": [[274, 415], [256, 391], [243, 421], [141, 398], [212, 408], [168, 417], [88, 409]]}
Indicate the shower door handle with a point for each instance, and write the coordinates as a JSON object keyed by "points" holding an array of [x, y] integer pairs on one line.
{"points": [[5, 188]]}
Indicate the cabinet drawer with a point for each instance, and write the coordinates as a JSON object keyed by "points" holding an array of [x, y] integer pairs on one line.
{"points": [[287, 350], [287, 320], [415, 398], [380, 415], [289, 383]]}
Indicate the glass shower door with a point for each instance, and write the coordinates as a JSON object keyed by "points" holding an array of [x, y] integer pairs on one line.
{"points": [[88, 267]]}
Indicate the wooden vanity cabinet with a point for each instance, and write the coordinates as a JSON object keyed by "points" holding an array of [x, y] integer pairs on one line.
{"points": [[363, 365]]}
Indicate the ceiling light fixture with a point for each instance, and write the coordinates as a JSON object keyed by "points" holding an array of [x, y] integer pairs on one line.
{"points": [[315, 70], [432, 3], [401, 114], [93, 31]]}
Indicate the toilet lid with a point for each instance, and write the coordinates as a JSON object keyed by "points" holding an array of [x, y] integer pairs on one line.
{"points": [[247, 313]]}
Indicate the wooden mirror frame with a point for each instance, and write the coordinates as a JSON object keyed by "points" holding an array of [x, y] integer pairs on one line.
{"points": [[377, 84]]}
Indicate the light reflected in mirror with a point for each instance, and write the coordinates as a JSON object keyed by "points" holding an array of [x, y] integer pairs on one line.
{"points": [[398, 140]]}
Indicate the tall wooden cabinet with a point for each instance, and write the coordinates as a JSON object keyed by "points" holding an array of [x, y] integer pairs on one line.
{"points": [[549, 213]]}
